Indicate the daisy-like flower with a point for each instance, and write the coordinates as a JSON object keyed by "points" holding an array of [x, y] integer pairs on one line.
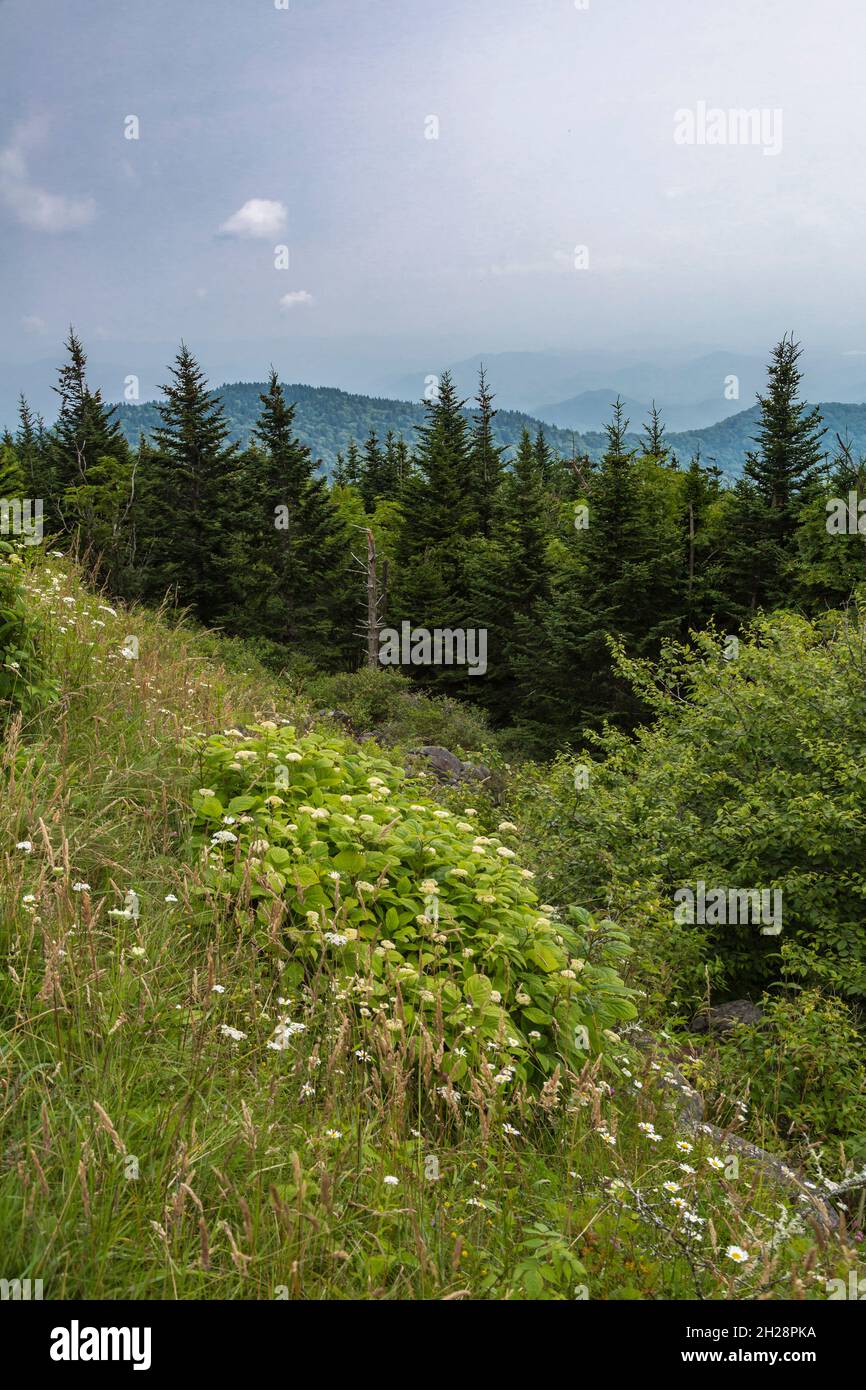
{"points": [[737, 1254], [509, 1129], [283, 1034], [671, 1186], [333, 1134], [715, 1163], [684, 1146]]}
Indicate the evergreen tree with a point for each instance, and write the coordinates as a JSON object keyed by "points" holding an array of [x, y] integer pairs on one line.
{"points": [[654, 436], [527, 526], [485, 459], [374, 481], [30, 445], [622, 579], [195, 495], [440, 494], [85, 431], [778, 480], [297, 587], [13, 483]]}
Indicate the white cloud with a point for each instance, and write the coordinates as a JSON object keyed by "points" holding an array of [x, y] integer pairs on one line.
{"points": [[259, 217], [33, 206], [32, 323], [295, 297]]}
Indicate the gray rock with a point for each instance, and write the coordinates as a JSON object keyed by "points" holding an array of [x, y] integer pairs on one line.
{"points": [[724, 1017]]}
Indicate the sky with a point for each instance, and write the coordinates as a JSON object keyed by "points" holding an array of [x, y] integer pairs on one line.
{"points": [[448, 179]]}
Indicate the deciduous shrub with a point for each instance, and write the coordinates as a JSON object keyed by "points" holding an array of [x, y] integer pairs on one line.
{"points": [[752, 776], [23, 680], [340, 864]]}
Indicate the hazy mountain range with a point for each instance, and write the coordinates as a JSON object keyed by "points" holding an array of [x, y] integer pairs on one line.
{"points": [[327, 419], [706, 397]]}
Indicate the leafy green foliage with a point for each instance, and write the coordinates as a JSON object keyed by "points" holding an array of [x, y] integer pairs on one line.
{"points": [[753, 775], [24, 681], [403, 898], [802, 1070]]}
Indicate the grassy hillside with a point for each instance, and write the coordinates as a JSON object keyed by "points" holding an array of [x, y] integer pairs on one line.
{"points": [[326, 419], [210, 1093]]}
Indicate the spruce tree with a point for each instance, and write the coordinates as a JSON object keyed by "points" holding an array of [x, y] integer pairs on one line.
{"points": [[195, 494], [373, 482], [441, 500], [779, 478], [298, 591], [485, 458], [654, 445], [84, 432]]}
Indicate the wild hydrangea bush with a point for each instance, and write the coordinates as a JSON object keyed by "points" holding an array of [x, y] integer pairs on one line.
{"points": [[428, 928], [23, 682]]}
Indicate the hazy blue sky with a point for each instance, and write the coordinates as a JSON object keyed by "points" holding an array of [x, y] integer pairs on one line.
{"points": [[556, 129]]}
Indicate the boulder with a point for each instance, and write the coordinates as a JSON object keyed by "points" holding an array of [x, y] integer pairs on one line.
{"points": [[726, 1016]]}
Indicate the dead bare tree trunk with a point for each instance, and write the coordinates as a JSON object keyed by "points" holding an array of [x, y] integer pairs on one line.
{"points": [[371, 624], [372, 604]]}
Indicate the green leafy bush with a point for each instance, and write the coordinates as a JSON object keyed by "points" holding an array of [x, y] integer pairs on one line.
{"points": [[23, 680], [753, 775], [389, 704], [340, 864], [803, 1068]]}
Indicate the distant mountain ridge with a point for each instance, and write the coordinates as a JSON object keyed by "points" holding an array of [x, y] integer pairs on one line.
{"points": [[326, 418]]}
